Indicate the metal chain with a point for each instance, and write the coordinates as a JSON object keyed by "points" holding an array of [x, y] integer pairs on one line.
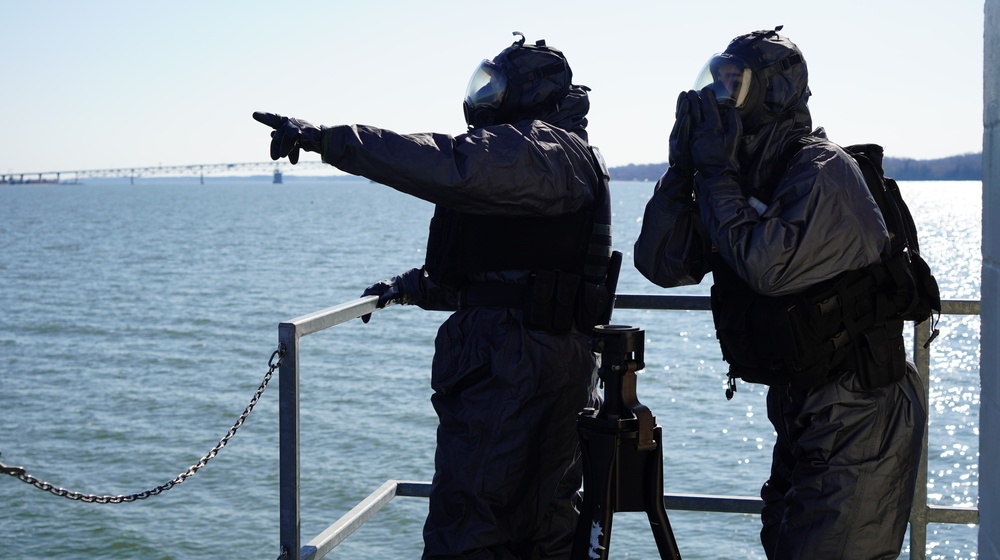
{"points": [[19, 472]]}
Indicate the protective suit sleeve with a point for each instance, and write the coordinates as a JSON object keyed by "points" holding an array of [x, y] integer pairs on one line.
{"points": [[672, 246], [822, 221], [532, 169], [434, 297]]}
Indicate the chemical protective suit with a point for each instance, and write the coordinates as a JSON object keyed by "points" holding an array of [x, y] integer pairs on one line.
{"points": [[775, 210], [521, 192]]}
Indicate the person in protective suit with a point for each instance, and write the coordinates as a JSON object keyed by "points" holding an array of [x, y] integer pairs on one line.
{"points": [[783, 219], [519, 248]]}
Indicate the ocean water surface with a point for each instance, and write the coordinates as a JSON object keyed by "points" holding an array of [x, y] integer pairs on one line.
{"points": [[136, 321]]}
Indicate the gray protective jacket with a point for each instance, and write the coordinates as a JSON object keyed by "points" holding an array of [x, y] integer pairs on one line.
{"points": [[507, 397], [846, 454], [532, 168], [818, 221], [782, 230]]}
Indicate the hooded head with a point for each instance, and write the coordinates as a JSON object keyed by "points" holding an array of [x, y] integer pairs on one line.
{"points": [[522, 82], [761, 74]]}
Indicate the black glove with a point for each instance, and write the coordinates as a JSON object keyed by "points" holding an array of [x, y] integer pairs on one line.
{"points": [[716, 133], [291, 134], [680, 136], [404, 289]]}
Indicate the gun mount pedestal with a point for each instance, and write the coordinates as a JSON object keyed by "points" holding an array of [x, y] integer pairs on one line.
{"points": [[622, 451]]}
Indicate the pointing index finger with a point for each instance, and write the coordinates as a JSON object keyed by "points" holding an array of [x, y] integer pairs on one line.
{"points": [[270, 119]]}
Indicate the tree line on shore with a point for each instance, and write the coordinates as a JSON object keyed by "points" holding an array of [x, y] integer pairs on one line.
{"points": [[966, 167]]}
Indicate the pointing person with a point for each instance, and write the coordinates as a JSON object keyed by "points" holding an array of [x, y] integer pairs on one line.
{"points": [[519, 249]]}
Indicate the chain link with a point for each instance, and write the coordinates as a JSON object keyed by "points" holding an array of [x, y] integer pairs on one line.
{"points": [[19, 472]]}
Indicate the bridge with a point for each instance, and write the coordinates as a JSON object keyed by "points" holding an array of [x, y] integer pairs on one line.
{"points": [[278, 169]]}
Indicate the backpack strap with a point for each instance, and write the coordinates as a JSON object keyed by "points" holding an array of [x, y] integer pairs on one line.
{"points": [[917, 296]]}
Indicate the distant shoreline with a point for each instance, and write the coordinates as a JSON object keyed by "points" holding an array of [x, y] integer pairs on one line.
{"points": [[966, 167]]}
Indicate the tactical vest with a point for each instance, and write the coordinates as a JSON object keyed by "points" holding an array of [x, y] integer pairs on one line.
{"points": [[853, 321], [568, 257], [802, 340]]}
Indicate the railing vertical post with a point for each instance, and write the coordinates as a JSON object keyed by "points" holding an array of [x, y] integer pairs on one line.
{"points": [[919, 512], [288, 429]]}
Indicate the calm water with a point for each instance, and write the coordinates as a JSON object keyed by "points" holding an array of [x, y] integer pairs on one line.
{"points": [[136, 322]]}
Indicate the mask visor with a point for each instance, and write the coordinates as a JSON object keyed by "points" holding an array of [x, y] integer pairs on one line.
{"points": [[729, 77], [486, 87]]}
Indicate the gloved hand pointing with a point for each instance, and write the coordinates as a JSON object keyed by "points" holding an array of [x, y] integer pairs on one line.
{"points": [[715, 136], [291, 134]]}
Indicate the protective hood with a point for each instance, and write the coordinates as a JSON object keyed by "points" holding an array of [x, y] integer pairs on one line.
{"points": [[522, 82], [571, 112], [776, 111]]}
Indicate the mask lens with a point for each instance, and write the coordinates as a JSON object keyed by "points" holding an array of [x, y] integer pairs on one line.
{"points": [[486, 87], [729, 78]]}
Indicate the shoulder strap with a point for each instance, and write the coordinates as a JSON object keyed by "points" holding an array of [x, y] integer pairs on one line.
{"points": [[885, 191]]}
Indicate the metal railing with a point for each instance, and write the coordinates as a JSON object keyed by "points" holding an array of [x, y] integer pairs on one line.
{"points": [[291, 331]]}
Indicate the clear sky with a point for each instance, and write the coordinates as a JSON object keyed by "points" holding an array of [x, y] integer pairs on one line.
{"points": [[108, 84]]}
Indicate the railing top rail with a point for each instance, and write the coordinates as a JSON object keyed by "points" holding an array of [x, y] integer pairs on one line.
{"points": [[689, 302], [326, 318]]}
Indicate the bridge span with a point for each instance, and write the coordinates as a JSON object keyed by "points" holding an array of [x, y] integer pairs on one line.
{"points": [[278, 168]]}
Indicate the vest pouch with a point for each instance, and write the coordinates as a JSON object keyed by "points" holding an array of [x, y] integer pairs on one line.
{"points": [[750, 343], [881, 355], [552, 300], [928, 295], [564, 311], [902, 291], [825, 323], [542, 289], [807, 346]]}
